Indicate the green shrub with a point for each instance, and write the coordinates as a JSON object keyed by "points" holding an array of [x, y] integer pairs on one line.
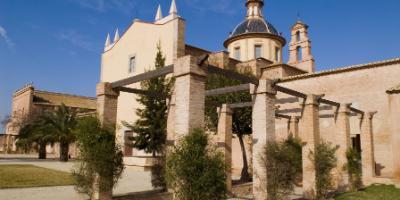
{"points": [[325, 160], [354, 168], [195, 171], [283, 162], [101, 158]]}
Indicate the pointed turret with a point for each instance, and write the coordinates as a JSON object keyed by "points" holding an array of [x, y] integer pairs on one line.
{"points": [[159, 15], [116, 37], [108, 41], [173, 9]]}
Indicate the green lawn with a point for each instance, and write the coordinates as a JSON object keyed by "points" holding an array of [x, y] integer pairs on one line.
{"points": [[375, 192], [20, 176]]}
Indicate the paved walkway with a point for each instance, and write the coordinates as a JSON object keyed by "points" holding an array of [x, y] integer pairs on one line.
{"points": [[133, 180]]}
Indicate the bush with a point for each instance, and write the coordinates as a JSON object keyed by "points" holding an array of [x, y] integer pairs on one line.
{"points": [[101, 158], [354, 168], [324, 160], [194, 170], [283, 162]]}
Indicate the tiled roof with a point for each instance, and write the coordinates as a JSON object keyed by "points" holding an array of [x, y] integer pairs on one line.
{"points": [[394, 90], [342, 69], [55, 99]]}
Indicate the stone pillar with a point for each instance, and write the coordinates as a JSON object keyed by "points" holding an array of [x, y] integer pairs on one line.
{"points": [[263, 120], [189, 95], [294, 126], [367, 149], [342, 139], [171, 119], [224, 133], [310, 135], [107, 103]]}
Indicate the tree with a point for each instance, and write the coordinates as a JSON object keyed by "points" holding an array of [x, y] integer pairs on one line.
{"points": [[101, 158], [35, 132], [151, 127], [241, 118], [195, 170], [61, 123]]}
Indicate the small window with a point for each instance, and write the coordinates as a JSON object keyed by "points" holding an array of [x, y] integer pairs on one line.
{"points": [[237, 53], [257, 51], [132, 64], [277, 54], [298, 38], [299, 54]]}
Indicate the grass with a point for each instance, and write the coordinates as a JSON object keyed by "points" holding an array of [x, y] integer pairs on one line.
{"points": [[21, 176], [374, 192]]}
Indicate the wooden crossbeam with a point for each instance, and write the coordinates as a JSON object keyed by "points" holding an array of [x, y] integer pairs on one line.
{"points": [[292, 110], [356, 110], [240, 105], [282, 116], [232, 74], [142, 92], [144, 76], [329, 102], [287, 100], [227, 90], [290, 91]]}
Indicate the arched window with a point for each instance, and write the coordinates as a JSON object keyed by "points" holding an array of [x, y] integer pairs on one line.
{"points": [[236, 52], [298, 36], [299, 53]]}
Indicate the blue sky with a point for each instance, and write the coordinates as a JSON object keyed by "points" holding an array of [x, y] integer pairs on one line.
{"points": [[56, 44]]}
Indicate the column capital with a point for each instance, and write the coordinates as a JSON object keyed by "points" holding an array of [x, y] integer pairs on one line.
{"points": [[188, 65], [345, 107], [105, 88], [313, 99], [264, 86], [224, 109]]}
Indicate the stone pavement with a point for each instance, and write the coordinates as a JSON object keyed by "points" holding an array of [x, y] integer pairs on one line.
{"points": [[133, 180]]}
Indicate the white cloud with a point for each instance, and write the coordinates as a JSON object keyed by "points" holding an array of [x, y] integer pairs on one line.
{"points": [[77, 39], [123, 6], [4, 36]]}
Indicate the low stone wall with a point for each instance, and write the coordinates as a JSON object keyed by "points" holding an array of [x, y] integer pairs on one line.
{"points": [[147, 195]]}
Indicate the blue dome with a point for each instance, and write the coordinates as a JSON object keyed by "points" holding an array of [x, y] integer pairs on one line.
{"points": [[254, 25]]}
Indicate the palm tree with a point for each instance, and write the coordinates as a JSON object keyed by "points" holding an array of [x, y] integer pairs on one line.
{"points": [[61, 123], [35, 132]]}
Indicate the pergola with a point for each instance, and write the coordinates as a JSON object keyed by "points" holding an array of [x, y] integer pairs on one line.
{"points": [[187, 105]]}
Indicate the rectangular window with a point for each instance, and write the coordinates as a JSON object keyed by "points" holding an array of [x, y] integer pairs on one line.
{"points": [[277, 54], [132, 64], [257, 51], [237, 53]]}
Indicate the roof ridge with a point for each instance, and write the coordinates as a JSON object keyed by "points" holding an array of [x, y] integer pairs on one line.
{"points": [[342, 69], [64, 94]]}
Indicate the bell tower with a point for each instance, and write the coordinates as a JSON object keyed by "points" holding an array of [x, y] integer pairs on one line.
{"points": [[300, 55]]}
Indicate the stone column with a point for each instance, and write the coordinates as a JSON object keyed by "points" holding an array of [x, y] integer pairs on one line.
{"points": [[224, 134], [263, 120], [294, 126], [342, 139], [189, 95], [367, 149], [310, 135], [107, 103], [171, 119]]}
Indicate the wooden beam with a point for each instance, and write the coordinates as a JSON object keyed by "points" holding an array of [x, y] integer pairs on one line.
{"points": [[144, 76], [227, 90], [142, 92], [240, 105], [232, 74], [356, 110], [287, 100], [329, 102], [290, 91], [282, 116]]}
